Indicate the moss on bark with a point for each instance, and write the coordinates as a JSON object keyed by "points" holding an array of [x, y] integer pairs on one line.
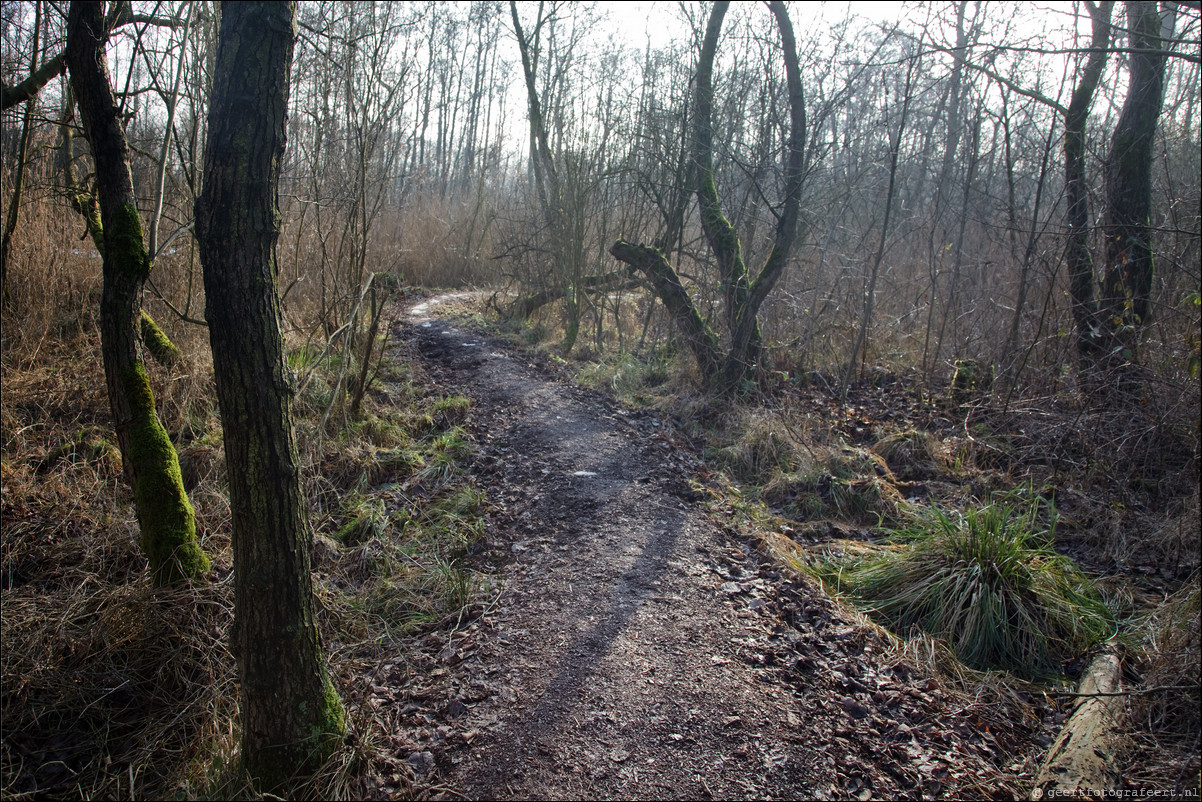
{"points": [[123, 243], [157, 343], [278, 766], [165, 515], [86, 205]]}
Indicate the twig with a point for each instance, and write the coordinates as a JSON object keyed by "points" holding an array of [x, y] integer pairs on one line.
{"points": [[1177, 786], [1138, 692]]}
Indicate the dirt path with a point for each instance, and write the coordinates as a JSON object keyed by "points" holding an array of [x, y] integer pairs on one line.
{"points": [[635, 649]]}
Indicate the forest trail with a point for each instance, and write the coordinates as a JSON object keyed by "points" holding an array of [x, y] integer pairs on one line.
{"points": [[635, 648]]}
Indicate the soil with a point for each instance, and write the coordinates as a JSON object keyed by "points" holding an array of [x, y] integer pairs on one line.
{"points": [[634, 644]]}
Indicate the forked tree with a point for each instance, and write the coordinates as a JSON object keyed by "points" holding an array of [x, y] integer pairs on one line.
{"points": [[743, 293], [291, 715]]}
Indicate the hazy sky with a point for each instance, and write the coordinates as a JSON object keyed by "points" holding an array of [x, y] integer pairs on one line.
{"points": [[660, 20]]}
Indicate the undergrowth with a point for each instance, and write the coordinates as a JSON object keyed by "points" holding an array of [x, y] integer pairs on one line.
{"points": [[115, 689]]}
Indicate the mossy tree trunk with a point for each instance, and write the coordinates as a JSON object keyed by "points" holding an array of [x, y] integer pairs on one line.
{"points": [[743, 295], [651, 262], [165, 516], [291, 715]]}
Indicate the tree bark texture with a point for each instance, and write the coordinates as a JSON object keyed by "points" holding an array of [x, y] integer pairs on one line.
{"points": [[165, 516], [1076, 189], [745, 336], [1129, 264], [291, 715]]}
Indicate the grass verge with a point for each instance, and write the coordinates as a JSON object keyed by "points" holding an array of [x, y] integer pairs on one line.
{"points": [[114, 689]]}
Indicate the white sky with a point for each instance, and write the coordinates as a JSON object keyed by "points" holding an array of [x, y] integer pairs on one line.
{"points": [[659, 20]]}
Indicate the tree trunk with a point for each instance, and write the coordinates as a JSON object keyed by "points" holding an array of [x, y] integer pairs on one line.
{"points": [[291, 714], [165, 515], [745, 334], [1129, 266], [651, 263], [1076, 189], [565, 243]]}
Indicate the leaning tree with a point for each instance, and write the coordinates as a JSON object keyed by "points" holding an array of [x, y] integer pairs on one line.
{"points": [[743, 292], [165, 516]]}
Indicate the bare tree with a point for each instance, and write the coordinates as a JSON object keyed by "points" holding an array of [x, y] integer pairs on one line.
{"points": [[291, 716], [1125, 303], [743, 294]]}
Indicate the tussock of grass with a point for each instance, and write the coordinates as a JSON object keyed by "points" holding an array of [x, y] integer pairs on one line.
{"points": [[761, 445], [444, 453], [449, 411], [869, 500], [988, 582], [627, 375], [913, 455]]}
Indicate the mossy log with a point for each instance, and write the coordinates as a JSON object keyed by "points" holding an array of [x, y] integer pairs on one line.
{"points": [[1081, 764]]}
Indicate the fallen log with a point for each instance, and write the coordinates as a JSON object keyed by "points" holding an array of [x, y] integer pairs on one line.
{"points": [[1081, 763]]}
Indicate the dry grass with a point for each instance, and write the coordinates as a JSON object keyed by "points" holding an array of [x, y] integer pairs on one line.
{"points": [[760, 444], [112, 688], [1164, 719], [1174, 666], [913, 455]]}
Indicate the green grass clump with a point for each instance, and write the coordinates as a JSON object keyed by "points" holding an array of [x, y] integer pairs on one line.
{"points": [[630, 376], [450, 411], [446, 452], [988, 582]]}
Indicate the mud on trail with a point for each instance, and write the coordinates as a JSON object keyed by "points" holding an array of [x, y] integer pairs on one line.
{"points": [[633, 646]]}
